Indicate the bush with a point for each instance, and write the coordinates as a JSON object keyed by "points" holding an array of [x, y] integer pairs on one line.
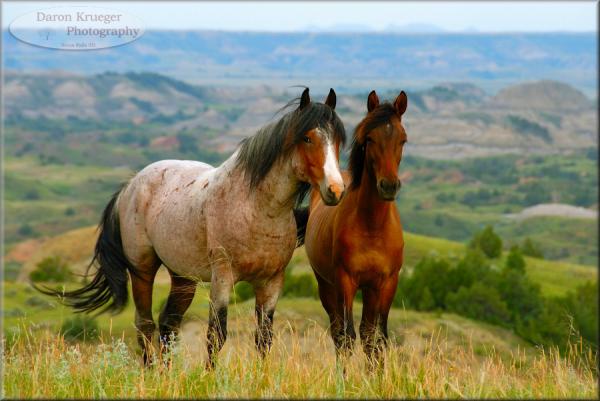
{"points": [[521, 295], [529, 248], [300, 285], [505, 297], [480, 302], [242, 292], [32, 194], [514, 260], [426, 287], [488, 241], [80, 328], [582, 306], [53, 269], [25, 230]]}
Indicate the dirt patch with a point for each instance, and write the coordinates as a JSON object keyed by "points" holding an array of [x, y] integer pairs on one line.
{"points": [[555, 209], [23, 251]]}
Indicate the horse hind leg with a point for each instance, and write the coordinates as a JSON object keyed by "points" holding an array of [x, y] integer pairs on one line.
{"points": [[141, 287], [267, 295], [180, 298], [220, 289]]}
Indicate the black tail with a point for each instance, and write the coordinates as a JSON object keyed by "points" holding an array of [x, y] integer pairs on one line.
{"points": [[110, 281], [301, 215]]}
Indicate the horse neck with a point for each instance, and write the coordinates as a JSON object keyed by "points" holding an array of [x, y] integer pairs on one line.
{"points": [[274, 195], [372, 211]]}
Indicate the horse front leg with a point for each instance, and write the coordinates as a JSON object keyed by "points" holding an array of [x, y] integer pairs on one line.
{"points": [[267, 294], [373, 325], [141, 288], [342, 328], [220, 290]]}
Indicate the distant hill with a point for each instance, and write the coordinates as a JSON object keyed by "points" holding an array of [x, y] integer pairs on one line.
{"points": [[448, 120], [348, 61], [542, 95]]}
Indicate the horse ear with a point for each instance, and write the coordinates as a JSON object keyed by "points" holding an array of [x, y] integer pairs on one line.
{"points": [[304, 99], [400, 103], [331, 98], [372, 101]]}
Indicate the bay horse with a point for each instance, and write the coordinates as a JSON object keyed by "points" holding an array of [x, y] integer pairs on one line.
{"points": [[219, 225], [358, 244]]}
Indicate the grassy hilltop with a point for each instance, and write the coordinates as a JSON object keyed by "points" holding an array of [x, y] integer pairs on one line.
{"points": [[431, 355]]}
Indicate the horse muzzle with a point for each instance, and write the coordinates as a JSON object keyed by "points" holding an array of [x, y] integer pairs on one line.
{"points": [[332, 194], [388, 189]]}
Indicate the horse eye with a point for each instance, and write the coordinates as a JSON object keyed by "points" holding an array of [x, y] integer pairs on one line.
{"points": [[369, 140], [307, 139]]}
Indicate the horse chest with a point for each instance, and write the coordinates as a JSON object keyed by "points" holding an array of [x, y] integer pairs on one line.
{"points": [[370, 257], [265, 250], [255, 247]]}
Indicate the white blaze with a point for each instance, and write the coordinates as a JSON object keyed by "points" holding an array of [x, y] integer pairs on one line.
{"points": [[331, 168]]}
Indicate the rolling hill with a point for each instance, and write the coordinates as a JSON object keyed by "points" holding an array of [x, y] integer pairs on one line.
{"points": [[449, 120], [76, 247]]}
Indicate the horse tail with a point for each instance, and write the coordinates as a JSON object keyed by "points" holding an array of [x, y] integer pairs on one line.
{"points": [[301, 216], [110, 281]]}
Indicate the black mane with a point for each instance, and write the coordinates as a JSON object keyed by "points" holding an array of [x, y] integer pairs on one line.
{"points": [[379, 116], [259, 153]]}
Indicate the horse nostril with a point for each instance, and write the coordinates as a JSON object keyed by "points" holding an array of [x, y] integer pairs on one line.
{"points": [[332, 193], [387, 186]]}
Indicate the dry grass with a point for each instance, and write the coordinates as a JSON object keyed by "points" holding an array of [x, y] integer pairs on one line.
{"points": [[439, 363]]}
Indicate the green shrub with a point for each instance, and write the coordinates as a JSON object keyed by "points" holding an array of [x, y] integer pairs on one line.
{"points": [[80, 328], [514, 260], [52, 268], [582, 306], [300, 285], [529, 248], [488, 241], [242, 292], [521, 295], [479, 302], [25, 230], [430, 280]]}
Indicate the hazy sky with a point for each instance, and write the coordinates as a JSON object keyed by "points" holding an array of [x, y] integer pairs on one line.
{"points": [[299, 15]]}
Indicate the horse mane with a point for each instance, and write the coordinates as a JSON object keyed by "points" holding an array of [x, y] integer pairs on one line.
{"points": [[258, 153], [381, 115]]}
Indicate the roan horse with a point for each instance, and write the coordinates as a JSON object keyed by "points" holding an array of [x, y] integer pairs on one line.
{"points": [[358, 244], [220, 225]]}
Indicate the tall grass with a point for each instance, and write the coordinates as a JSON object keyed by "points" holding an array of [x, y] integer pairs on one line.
{"points": [[302, 364]]}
